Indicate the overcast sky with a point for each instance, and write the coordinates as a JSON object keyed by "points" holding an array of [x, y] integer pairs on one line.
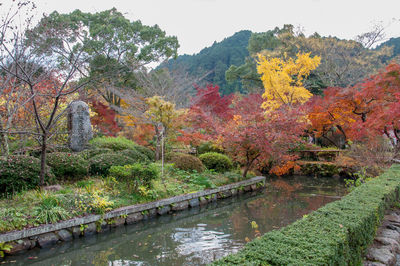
{"points": [[198, 23]]}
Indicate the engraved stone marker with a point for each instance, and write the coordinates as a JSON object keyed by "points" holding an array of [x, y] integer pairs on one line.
{"points": [[79, 127]]}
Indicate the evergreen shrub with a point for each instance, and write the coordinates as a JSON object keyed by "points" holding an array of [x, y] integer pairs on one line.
{"points": [[216, 161]]}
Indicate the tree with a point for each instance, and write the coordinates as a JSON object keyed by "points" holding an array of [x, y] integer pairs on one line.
{"points": [[113, 47], [343, 62], [104, 118], [61, 51], [332, 112], [208, 110], [163, 116], [239, 124], [13, 96], [377, 106], [283, 80], [363, 111]]}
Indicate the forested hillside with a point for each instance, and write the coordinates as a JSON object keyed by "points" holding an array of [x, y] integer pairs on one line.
{"points": [[392, 42], [231, 63], [215, 60]]}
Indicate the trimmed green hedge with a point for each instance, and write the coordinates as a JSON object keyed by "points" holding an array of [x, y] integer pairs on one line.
{"points": [[336, 234], [117, 144], [217, 161], [113, 143], [185, 162]]}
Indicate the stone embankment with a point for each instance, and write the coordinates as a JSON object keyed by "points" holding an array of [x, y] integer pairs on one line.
{"points": [[386, 246], [47, 235]]}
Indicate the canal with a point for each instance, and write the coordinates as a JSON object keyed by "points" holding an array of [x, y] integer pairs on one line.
{"points": [[196, 236]]}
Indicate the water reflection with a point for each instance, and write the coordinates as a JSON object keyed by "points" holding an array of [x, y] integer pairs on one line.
{"points": [[199, 235]]}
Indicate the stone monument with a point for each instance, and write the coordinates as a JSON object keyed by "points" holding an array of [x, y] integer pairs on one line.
{"points": [[79, 126]]}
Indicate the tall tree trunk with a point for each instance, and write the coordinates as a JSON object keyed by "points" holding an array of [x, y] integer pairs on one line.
{"points": [[158, 142], [245, 171], [43, 160]]}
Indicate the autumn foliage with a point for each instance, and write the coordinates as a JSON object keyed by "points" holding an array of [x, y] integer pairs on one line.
{"points": [[283, 79], [104, 118], [238, 124], [363, 111]]}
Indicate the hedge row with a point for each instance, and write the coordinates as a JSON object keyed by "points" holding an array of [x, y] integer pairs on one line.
{"points": [[336, 234]]}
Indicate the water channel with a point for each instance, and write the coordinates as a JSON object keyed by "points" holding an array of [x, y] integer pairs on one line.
{"points": [[196, 236]]}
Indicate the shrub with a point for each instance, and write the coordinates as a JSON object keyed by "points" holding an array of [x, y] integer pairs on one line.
{"points": [[90, 153], [218, 162], [135, 175], [67, 165], [185, 162], [135, 155], [146, 151], [18, 173], [208, 147], [100, 164], [113, 143], [336, 234]]}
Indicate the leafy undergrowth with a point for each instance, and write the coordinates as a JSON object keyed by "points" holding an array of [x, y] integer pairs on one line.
{"points": [[97, 195]]}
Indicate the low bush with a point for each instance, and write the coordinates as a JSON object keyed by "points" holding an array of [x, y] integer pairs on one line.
{"points": [[20, 173], [336, 234], [216, 161], [90, 153], [135, 175], [100, 164], [135, 155], [68, 165], [146, 151], [113, 143], [185, 162]]}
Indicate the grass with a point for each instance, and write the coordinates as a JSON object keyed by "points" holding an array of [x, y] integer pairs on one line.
{"points": [[99, 195]]}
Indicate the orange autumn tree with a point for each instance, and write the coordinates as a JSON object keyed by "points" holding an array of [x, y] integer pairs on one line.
{"points": [[333, 112], [363, 111]]}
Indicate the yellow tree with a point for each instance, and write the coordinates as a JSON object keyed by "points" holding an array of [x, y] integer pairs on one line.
{"points": [[283, 79], [163, 116]]}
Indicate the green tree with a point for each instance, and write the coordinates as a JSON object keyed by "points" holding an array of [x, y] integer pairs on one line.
{"points": [[113, 46]]}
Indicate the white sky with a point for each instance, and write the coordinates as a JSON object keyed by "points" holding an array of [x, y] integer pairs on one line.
{"points": [[198, 23]]}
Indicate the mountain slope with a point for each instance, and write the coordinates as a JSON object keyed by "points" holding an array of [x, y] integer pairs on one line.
{"points": [[215, 60]]}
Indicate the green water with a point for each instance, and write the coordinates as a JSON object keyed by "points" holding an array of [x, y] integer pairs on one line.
{"points": [[196, 236]]}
